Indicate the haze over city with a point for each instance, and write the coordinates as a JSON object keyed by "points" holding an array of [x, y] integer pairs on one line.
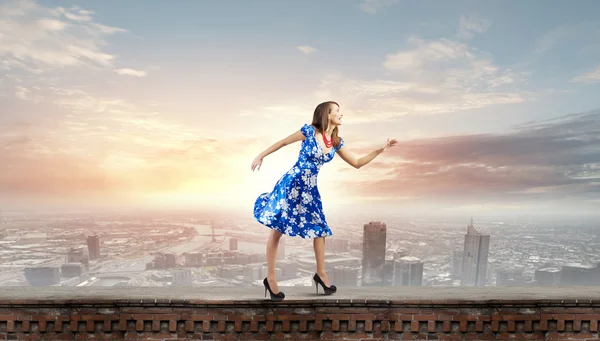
{"points": [[128, 130]]}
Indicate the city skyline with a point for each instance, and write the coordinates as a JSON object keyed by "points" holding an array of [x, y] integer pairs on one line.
{"points": [[494, 105]]}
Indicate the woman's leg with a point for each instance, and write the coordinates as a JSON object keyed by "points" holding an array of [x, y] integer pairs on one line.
{"points": [[272, 244], [319, 246]]}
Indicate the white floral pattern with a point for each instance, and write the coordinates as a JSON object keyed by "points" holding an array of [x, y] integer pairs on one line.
{"points": [[294, 205]]}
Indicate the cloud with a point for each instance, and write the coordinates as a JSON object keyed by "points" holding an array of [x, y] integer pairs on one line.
{"points": [[21, 92], [40, 39], [547, 160], [428, 77], [374, 6], [132, 72], [105, 147], [306, 49], [592, 76], [471, 25], [585, 31]]}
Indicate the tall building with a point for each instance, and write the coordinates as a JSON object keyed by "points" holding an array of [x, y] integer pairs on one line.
{"points": [[475, 257], [93, 243], [408, 271], [182, 277], [233, 244], [344, 276], [373, 255], [456, 263]]}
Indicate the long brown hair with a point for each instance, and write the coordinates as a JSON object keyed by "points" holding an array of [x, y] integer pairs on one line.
{"points": [[321, 121]]}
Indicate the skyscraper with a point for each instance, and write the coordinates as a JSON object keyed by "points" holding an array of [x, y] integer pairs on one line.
{"points": [[475, 257], [373, 256], [408, 271], [233, 244], [93, 243], [456, 263]]}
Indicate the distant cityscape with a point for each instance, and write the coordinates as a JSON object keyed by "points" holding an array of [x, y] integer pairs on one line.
{"points": [[176, 250]]}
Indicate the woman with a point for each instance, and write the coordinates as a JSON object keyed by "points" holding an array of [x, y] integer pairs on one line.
{"points": [[294, 206]]}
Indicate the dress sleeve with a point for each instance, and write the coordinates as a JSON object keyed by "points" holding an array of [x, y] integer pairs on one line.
{"points": [[307, 130], [341, 144]]}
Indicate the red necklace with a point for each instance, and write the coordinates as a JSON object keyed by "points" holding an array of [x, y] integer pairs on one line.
{"points": [[328, 143]]}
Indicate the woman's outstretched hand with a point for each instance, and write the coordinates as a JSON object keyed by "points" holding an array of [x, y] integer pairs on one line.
{"points": [[256, 163], [389, 143]]}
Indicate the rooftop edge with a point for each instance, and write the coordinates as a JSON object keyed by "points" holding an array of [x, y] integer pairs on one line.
{"points": [[353, 296]]}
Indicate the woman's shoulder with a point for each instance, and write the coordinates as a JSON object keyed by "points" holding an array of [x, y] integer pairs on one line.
{"points": [[307, 129]]}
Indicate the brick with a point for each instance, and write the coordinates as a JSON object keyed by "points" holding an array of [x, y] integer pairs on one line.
{"points": [[189, 326], [465, 318], [430, 326], [432, 317], [335, 325], [172, 326], [155, 325], [414, 326], [520, 317], [369, 326], [42, 325], [342, 317], [563, 317], [139, 325], [206, 326], [362, 317], [583, 317]]}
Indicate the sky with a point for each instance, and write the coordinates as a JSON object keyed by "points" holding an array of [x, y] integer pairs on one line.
{"points": [[165, 104]]}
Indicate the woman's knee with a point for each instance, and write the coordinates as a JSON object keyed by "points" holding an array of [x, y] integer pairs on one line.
{"points": [[276, 234]]}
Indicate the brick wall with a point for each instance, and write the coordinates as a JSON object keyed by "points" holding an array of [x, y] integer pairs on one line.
{"points": [[171, 319]]}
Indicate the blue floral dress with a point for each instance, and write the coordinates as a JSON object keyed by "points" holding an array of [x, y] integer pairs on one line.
{"points": [[294, 206]]}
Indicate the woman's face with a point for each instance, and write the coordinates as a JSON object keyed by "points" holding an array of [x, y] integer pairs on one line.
{"points": [[335, 117]]}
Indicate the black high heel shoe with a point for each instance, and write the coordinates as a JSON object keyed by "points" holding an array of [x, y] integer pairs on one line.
{"points": [[328, 290], [276, 297]]}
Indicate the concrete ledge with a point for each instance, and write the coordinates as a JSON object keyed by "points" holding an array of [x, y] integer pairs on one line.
{"points": [[220, 295], [365, 313]]}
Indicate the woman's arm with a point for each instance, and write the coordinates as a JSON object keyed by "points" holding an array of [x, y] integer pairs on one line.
{"points": [[295, 137], [360, 162]]}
